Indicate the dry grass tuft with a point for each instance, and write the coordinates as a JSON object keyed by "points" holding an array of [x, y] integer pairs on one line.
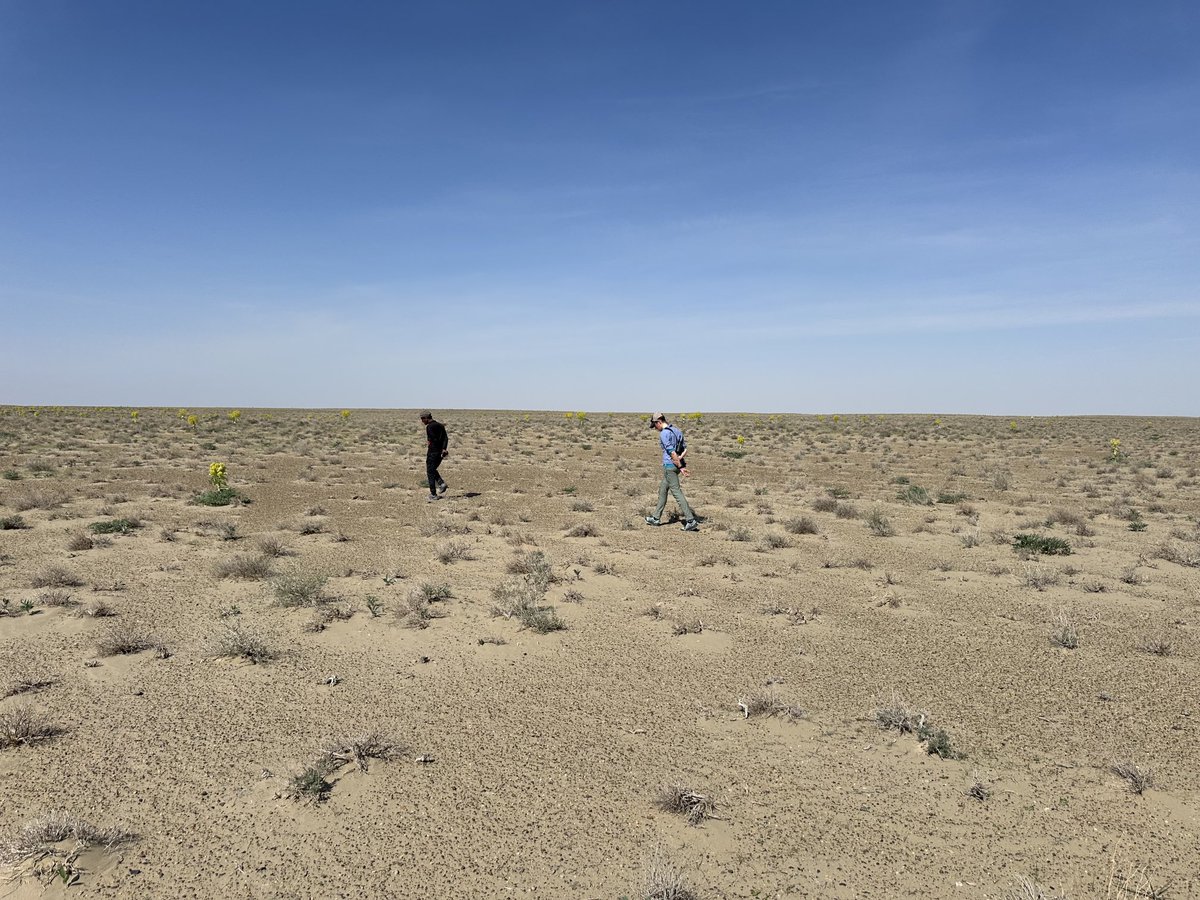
{"points": [[55, 576], [360, 750], [692, 805], [23, 726], [121, 640], [768, 704], [35, 838], [1140, 780], [238, 642], [244, 566]]}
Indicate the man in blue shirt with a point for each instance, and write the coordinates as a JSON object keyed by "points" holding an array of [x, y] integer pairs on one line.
{"points": [[673, 449]]}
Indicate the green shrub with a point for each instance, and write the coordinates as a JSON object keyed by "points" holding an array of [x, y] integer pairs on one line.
{"points": [[115, 526], [219, 497], [1037, 543], [916, 494]]}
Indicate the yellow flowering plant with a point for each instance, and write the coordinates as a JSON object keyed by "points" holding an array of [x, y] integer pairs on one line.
{"points": [[217, 476]]}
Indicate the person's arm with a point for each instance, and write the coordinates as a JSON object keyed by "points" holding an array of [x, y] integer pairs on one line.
{"points": [[445, 443], [678, 461]]}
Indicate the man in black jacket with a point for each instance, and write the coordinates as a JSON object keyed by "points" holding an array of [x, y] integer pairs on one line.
{"points": [[437, 450]]}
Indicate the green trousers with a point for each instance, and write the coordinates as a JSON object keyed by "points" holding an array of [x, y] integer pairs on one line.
{"points": [[670, 482]]}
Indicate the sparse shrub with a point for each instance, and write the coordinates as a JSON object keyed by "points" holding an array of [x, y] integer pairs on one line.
{"points": [[1030, 544], [663, 879], [34, 839], [23, 726], [95, 609], [916, 495], [38, 498], [1160, 645], [846, 511], [878, 524], [951, 497], [825, 504], [79, 542], [244, 566], [801, 525], [582, 506], [1132, 576], [1140, 780], [584, 529], [692, 626], [360, 750], [115, 526], [238, 642], [272, 547], [970, 539], [374, 606], [767, 705], [218, 497], [122, 640], [55, 575], [12, 523], [453, 551], [681, 801], [310, 526], [775, 542], [739, 534], [299, 588], [310, 785], [1039, 578], [433, 593], [417, 612], [1065, 634], [57, 600]]}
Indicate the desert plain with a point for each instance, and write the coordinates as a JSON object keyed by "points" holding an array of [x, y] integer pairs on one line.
{"points": [[905, 656]]}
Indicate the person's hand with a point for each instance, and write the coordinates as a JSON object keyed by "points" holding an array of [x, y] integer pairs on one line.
{"points": [[683, 472], [445, 453]]}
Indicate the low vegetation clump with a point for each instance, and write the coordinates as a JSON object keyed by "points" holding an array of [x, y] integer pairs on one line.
{"points": [[12, 523], [1140, 780], [238, 642], [1035, 544], [453, 551], [223, 496], [23, 726], [34, 839], [1065, 633], [693, 806], [801, 525], [766, 705], [55, 576], [521, 598], [663, 879], [299, 588], [897, 716], [916, 495], [115, 526], [312, 784], [80, 541], [123, 640], [245, 567], [879, 524]]}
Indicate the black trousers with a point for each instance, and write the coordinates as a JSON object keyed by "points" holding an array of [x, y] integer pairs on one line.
{"points": [[431, 472]]}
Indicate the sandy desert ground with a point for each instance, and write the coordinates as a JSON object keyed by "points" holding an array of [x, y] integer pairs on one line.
{"points": [[868, 675]]}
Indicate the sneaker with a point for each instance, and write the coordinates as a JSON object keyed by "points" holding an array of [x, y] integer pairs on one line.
{"points": [[432, 497], [443, 487], [650, 520], [691, 525]]}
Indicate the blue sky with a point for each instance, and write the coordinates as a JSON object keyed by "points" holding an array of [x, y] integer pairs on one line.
{"points": [[777, 206]]}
